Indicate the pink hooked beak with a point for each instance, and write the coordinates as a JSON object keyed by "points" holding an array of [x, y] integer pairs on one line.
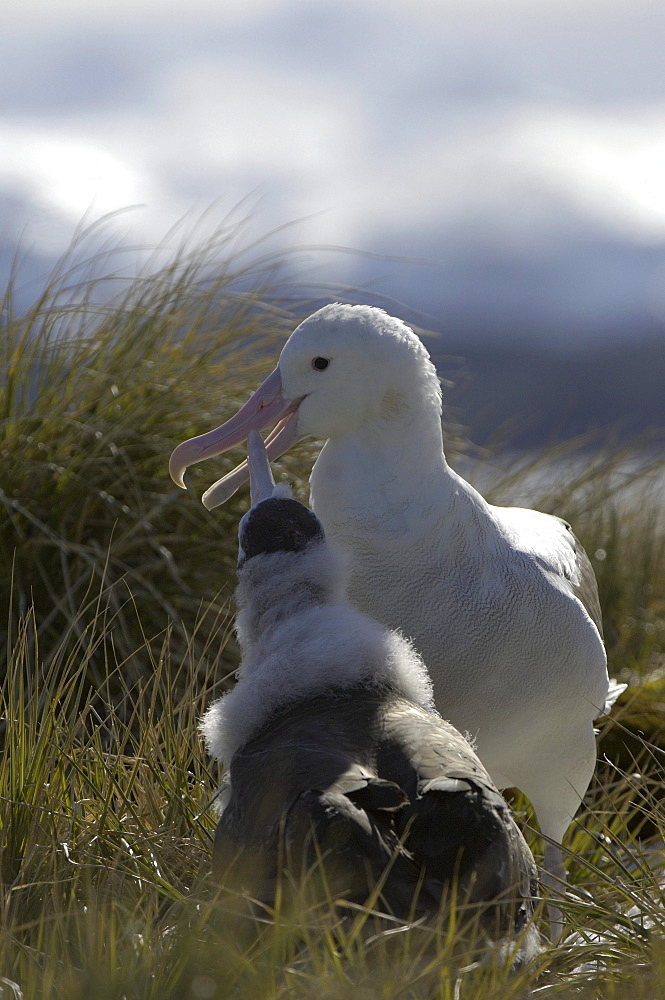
{"points": [[265, 408]]}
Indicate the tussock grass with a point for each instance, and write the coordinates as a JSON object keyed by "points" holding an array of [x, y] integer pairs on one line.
{"points": [[115, 589], [100, 378], [105, 852]]}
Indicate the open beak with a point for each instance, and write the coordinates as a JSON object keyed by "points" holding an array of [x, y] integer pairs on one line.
{"points": [[267, 407]]}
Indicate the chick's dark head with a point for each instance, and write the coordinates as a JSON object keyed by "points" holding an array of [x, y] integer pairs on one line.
{"points": [[278, 524]]}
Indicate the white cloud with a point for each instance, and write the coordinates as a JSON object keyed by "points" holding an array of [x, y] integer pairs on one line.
{"points": [[226, 133], [42, 13], [477, 124], [66, 173], [611, 165], [62, 177]]}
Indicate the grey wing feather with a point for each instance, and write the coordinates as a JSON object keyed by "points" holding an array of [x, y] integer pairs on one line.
{"points": [[375, 784]]}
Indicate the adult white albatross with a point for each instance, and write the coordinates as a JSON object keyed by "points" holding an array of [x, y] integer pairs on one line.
{"points": [[334, 749], [501, 602]]}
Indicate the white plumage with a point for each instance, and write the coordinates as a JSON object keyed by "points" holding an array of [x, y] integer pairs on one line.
{"points": [[500, 602]]}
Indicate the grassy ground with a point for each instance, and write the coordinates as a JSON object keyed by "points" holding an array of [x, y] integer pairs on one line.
{"points": [[115, 589]]}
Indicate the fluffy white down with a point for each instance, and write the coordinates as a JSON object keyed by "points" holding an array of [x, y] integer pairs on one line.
{"points": [[300, 637]]}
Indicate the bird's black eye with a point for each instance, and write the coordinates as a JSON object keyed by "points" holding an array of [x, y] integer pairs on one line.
{"points": [[320, 364]]}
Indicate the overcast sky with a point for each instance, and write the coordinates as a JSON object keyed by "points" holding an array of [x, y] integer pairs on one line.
{"points": [[515, 148]]}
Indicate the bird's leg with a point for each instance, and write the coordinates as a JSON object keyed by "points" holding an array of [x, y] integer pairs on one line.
{"points": [[555, 797], [554, 878]]}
